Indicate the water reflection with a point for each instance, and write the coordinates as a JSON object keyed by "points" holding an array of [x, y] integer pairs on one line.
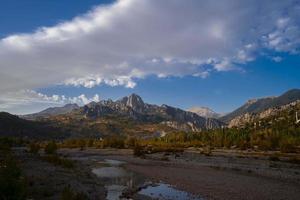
{"points": [[115, 178], [163, 191]]}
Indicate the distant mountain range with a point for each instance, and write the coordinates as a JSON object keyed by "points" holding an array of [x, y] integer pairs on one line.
{"points": [[205, 112], [134, 107], [131, 115]]}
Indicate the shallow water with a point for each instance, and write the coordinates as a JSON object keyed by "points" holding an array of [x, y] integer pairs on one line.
{"points": [[115, 178], [109, 172], [113, 162], [114, 191], [163, 191]]}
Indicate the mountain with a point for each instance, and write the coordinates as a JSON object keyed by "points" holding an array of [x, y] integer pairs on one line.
{"points": [[129, 115], [281, 120], [53, 111], [255, 106], [136, 109], [274, 113], [205, 112], [12, 125]]}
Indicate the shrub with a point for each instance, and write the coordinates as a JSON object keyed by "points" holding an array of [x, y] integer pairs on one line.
{"points": [[12, 183], [51, 148], [34, 148], [69, 194], [274, 158], [90, 143], [138, 151], [5, 144], [56, 160], [131, 142], [114, 142], [287, 146]]}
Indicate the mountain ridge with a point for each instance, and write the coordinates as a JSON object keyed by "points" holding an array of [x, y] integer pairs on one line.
{"points": [[255, 106], [134, 107], [204, 112], [51, 111]]}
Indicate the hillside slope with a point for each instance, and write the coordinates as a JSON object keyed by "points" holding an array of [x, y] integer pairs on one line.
{"points": [[12, 125], [258, 105], [53, 111]]}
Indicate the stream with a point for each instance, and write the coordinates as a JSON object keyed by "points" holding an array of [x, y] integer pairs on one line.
{"points": [[117, 179]]}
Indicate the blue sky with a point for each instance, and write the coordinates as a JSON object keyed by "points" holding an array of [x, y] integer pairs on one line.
{"points": [[115, 58]]}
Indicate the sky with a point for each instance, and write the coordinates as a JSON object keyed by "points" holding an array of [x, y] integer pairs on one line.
{"points": [[189, 53]]}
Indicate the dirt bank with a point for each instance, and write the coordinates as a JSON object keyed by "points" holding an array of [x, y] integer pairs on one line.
{"points": [[214, 177]]}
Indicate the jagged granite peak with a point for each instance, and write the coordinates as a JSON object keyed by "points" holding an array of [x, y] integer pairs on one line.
{"points": [[107, 102], [91, 104], [133, 101], [52, 111], [134, 107], [204, 112]]}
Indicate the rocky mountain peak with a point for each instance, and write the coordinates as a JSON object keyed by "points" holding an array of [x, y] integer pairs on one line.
{"points": [[71, 106], [204, 112], [91, 104], [133, 101], [251, 101]]}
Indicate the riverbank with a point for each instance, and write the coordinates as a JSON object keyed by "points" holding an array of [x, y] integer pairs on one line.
{"points": [[222, 175]]}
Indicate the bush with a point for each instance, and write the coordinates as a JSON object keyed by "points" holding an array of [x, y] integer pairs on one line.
{"points": [[138, 151], [34, 148], [274, 158], [69, 194], [90, 143], [131, 142], [51, 148], [12, 183], [5, 144], [56, 160], [114, 142], [288, 146]]}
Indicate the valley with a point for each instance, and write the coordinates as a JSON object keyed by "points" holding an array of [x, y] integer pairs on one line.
{"points": [[150, 100], [128, 149], [222, 175]]}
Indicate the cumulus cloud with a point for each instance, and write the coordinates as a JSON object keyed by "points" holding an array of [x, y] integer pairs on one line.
{"points": [[277, 59], [34, 101], [131, 39], [285, 37], [93, 80]]}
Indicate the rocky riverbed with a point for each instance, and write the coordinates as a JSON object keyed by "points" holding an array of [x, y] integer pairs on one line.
{"points": [[117, 174]]}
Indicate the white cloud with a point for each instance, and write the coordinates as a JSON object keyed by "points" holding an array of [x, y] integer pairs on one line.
{"points": [[286, 36], [33, 101], [277, 59], [224, 65], [131, 39], [92, 81]]}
